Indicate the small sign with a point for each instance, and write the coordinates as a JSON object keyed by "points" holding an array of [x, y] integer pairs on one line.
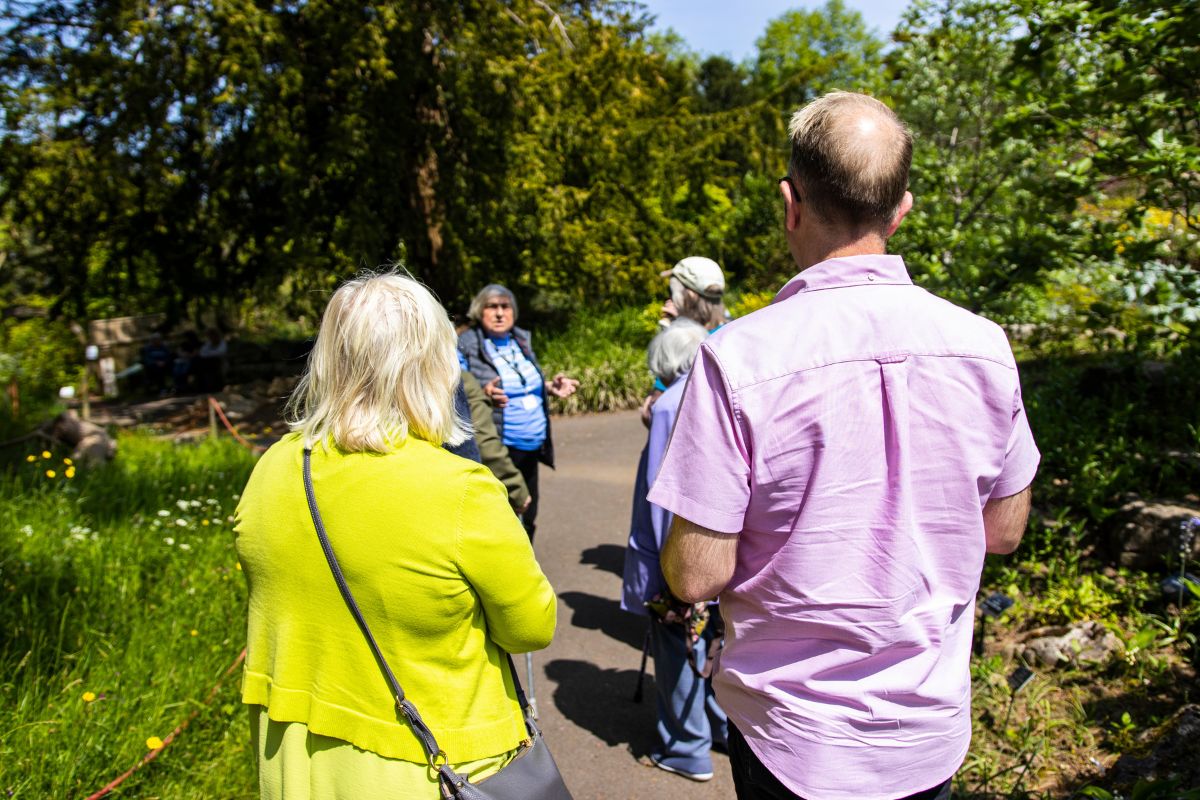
{"points": [[1020, 678], [108, 376], [996, 605]]}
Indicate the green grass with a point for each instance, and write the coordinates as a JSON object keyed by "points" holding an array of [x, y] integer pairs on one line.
{"points": [[121, 582]]}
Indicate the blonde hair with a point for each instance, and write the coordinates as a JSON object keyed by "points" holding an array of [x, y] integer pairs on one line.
{"points": [[851, 154], [383, 368]]}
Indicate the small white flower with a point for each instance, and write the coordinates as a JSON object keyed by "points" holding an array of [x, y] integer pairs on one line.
{"points": [[162, 512], [168, 540], [194, 504], [184, 546], [181, 523], [27, 530], [182, 505]]}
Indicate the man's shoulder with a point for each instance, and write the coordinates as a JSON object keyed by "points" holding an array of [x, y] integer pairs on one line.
{"points": [[814, 329]]}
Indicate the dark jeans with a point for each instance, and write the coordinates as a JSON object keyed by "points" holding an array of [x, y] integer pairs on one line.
{"points": [[527, 462], [753, 781]]}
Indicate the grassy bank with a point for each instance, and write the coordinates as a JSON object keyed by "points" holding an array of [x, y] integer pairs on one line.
{"points": [[122, 606]]}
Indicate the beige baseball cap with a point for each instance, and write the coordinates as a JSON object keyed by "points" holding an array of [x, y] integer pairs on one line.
{"points": [[702, 275]]}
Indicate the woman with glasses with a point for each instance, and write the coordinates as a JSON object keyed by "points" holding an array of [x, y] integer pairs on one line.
{"points": [[498, 353]]}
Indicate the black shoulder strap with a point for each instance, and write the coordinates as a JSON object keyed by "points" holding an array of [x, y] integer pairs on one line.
{"points": [[402, 705]]}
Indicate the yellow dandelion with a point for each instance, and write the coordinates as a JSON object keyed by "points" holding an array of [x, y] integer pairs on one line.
{"points": [[154, 743], [89, 697], [238, 566], [195, 632], [204, 522], [45, 454], [50, 473], [68, 461], [31, 458], [70, 472]]}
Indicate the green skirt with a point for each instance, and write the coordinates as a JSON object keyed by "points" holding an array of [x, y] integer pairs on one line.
{"points": [[296, 764]]}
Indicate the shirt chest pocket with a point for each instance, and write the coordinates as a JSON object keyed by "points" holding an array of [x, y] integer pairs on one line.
{"points": [[781, 486]]}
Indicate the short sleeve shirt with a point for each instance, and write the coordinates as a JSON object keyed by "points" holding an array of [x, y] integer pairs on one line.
{"points": [[850, 434]]}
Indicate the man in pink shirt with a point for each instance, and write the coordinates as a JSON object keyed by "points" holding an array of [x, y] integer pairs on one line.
{"points": [[841, 463]]}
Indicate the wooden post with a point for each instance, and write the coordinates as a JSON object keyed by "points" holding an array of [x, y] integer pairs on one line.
{"points": [[212, 418], [86, 408]]}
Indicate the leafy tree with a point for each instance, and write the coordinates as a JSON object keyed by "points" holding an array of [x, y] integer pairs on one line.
{"points": [[803, 54], [1122, 77], [993, 207]]}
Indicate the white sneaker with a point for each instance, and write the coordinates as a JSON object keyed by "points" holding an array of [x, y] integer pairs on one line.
{"points": [[692, 776]]}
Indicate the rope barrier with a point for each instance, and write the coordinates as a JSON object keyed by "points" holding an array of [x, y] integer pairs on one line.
{"points": [[212, 401], [153, 754]]}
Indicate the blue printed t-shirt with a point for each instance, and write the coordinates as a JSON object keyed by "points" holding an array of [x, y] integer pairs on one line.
{"points": [[524, 417]]}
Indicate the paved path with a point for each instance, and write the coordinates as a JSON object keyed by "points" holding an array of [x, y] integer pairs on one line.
{"points": [[585, 680]]}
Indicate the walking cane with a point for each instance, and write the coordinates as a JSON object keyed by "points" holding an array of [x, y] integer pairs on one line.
{"points": [[529, 683], [637, 693]]}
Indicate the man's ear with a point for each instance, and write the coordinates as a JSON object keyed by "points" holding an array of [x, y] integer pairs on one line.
{"points": [[906, 204], [791, 206]]}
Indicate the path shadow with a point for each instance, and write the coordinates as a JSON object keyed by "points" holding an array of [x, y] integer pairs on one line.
{"points": [[600, 701], [600, 614], [605, 557]]}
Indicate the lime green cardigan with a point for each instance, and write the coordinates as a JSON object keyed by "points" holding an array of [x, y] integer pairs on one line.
{"points": [[442, 571]]}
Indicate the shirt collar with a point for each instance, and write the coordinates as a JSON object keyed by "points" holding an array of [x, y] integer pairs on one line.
{"points": [[836, 273]]}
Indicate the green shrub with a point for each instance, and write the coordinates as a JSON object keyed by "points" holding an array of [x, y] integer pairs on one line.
{"points": [[41, 355], [606, 352]]}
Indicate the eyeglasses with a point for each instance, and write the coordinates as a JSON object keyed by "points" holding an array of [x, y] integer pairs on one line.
{"points": [[792, 186]]}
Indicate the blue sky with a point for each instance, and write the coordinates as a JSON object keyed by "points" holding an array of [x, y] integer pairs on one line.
{"points": [[730, 27]]}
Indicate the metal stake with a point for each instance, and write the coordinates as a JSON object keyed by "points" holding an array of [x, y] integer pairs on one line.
{"points": [[529, 681]]}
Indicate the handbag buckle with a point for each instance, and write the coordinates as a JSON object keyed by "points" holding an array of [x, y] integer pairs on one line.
{"points": [[433, 759]]}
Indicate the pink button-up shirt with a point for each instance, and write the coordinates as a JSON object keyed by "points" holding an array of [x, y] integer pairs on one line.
{"points": [[849, 434]]}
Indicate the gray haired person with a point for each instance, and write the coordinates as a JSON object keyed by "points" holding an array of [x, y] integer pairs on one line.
{"points": [[688, 717], [499, 354]]}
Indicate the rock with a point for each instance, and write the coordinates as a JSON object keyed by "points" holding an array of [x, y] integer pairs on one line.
{"points": [[1145, 535], [1084, 643], [236, 406], [282, 387], [1172, 754], [92, 443]]}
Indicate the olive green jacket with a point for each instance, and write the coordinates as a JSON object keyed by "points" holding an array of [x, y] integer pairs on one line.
{"points": [[491, 448]]}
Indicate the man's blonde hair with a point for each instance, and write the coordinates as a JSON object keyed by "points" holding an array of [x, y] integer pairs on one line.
{"points": [[383, 368], [851, 155]]}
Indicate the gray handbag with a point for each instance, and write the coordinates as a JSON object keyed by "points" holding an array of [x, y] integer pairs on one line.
{"points": [[531, 775]]}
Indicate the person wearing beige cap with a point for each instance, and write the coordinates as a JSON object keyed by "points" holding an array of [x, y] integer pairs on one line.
{"points": [[697, 286]]}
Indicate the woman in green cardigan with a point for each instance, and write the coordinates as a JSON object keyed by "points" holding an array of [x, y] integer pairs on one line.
{"points": [[432, 551]]}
